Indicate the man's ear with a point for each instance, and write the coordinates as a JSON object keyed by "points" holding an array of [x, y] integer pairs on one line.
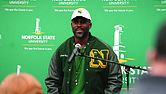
{"points": [[90, 25], [71, 24], [151, 55]]}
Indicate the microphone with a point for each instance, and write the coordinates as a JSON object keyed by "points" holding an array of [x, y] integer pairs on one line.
{"points": [[76, 49]]}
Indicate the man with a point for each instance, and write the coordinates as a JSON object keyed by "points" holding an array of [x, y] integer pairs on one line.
{"points": [[155, 82], [83, 75]]}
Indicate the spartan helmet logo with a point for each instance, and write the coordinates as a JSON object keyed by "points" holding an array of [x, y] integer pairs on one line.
{"points": [[79, 11]]}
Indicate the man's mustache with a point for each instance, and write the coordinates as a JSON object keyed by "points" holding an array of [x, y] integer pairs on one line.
{"points": [[79, 28]]}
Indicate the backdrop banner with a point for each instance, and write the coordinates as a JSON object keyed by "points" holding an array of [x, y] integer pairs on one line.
{"points": [[31, 30]]}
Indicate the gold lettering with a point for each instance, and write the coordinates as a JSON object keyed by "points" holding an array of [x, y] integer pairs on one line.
{"points": [[99, 54]]}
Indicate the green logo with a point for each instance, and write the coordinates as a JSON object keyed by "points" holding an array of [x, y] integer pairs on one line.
{"points": [[79, 11]]}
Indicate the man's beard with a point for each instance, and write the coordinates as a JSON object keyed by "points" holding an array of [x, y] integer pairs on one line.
{"points": [[83, 35]]}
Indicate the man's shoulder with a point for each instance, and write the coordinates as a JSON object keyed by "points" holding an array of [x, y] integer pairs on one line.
{"points": [[101, 42], [67, 42]]}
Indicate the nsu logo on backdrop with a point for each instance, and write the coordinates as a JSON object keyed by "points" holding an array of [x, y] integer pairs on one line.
{"points": [[38, 38], [118, 45], [119, 50], [38, 28]]}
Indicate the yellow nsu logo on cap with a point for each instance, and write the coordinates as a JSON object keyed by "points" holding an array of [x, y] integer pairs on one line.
{"points": [[79, 11]]}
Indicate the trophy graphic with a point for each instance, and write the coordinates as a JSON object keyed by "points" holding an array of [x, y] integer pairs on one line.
{"points": [[118, 46], [38, 29]]}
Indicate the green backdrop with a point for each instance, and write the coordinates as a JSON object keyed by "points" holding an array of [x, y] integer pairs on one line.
{"points": [[31, 30]]}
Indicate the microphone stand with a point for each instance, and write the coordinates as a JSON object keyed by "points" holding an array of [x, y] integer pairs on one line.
{"points": [[127, 67]]}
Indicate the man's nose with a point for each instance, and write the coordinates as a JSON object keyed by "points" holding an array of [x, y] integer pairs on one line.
{"points": [[79, 24]]}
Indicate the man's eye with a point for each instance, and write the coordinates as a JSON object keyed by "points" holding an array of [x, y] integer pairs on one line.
{"points": [[83, 22], [75, 22]]}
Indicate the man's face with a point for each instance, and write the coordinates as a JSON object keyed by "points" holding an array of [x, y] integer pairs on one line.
{"points": [[80, 27]]}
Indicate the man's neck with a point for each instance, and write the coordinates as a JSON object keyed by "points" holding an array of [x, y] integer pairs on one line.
{"points": [[81, 41]]}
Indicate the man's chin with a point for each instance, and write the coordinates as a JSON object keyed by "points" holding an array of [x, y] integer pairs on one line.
{"points": [[79, 36]]}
